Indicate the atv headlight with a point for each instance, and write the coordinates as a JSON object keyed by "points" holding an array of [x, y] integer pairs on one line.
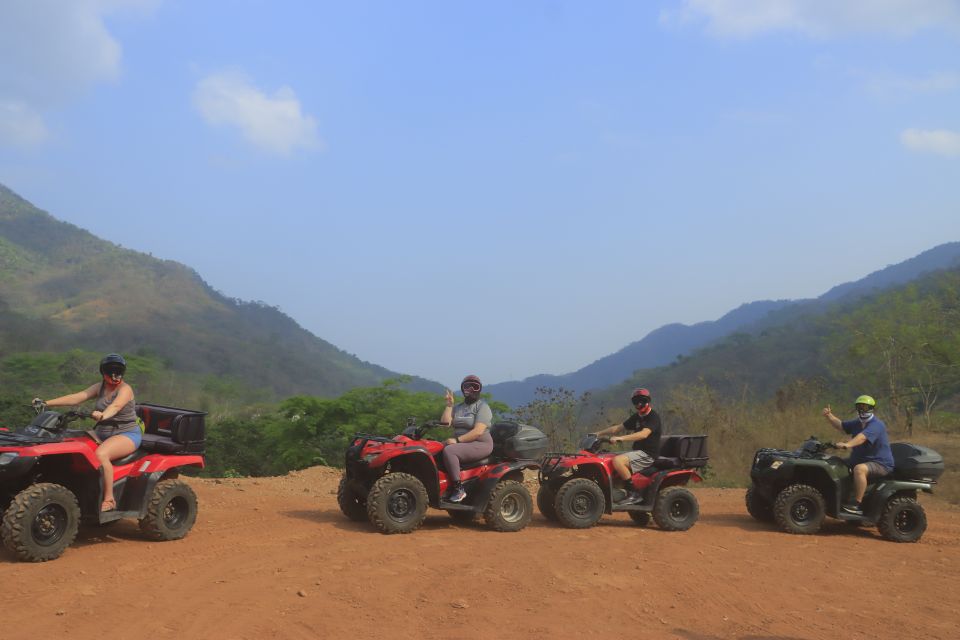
{"points": [[776, 464], [8, 457], [370, 456]]}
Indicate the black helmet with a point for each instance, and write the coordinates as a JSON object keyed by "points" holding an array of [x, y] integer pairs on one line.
{"points": [[113, 363]]}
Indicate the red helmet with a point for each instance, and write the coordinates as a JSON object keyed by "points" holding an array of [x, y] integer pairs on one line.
{"points": [[471, 383], [640, 395]]}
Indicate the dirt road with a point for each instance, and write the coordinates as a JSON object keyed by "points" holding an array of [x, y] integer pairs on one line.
{"points": [[273, 558]]}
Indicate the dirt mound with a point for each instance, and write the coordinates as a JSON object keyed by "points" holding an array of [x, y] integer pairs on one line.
{"points": [[274, 558]]}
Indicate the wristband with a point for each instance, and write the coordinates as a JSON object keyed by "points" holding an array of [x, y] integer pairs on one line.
{"points": [[457, 438]]}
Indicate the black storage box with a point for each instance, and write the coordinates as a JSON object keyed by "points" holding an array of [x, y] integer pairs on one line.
{"points": [[172, 430], [690, 451], [518, 441], [913, 462]]}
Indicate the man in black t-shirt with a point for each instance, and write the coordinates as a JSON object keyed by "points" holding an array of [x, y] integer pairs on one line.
{"points": [[643, 430]]}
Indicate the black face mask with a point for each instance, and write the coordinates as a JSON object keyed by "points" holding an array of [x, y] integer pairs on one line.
{"points": [[469, 397]]}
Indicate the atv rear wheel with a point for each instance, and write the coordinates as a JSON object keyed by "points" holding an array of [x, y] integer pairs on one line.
{"points": [[757, 506], [799, 509], [171, 511], [580, 503], [352, 503], [676, 509], [397, 503], [902, 520], [640, 518], [510, 507], [547, 502], [41, 522]]}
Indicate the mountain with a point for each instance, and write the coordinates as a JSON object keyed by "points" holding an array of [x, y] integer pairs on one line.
{"points": [[899, 343], [62, 288], [665, 344]]}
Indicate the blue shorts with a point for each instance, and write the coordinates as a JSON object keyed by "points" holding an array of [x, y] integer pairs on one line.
{"points": [[136, 436]]}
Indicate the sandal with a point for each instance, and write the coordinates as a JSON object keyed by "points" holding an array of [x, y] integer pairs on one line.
{"points": [[108, 505]]}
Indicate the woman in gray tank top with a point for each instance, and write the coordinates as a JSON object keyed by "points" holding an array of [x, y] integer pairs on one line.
{"points": [[471, 439], [114, 411]]}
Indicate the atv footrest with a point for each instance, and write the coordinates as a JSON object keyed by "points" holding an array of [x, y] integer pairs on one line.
{"points": [[110, 516], [456, 506], [632, 507]]}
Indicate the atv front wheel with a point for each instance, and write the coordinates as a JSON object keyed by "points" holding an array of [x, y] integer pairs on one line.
{"points": [[580, 503], [757, 506], [676, 509], [171, 511], [41, 522], [547, 502], [902, 520], [799, 509], [640, 518], [352, 503], [397, 503], [510, 507]]}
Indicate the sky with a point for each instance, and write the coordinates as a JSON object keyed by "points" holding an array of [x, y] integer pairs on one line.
{"points": [[501, 188]]}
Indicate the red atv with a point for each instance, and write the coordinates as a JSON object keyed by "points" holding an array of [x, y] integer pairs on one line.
{"points": [[50, 480], [576, 488], [392, 481]]}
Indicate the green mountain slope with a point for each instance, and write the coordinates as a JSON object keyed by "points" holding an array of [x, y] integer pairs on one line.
{"points": [[901, 345], [63, 288]]}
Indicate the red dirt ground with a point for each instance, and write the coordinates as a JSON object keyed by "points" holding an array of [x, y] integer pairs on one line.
{"points": [[274, 558]]}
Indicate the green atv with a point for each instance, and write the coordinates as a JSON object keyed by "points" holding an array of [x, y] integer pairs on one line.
{"points": [[798, 489]]}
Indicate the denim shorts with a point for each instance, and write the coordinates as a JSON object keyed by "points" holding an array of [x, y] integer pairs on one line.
{"points": [[136, 436]]}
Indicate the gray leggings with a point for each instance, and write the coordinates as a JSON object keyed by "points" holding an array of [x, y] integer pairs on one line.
{"points": [[454, 454]]}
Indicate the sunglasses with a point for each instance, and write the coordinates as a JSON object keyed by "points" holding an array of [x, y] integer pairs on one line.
{"points": [[113, 372], [640, 401]]}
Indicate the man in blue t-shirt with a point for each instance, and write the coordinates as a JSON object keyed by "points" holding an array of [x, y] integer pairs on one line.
{"points": [[870, 455]]}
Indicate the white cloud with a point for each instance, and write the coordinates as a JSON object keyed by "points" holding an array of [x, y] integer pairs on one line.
{"points": [[939, 141], [50, 53], [272, 123], [743, 18]]}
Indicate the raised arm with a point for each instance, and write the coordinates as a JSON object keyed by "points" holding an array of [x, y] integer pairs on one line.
{"points": [[447, 416], [832, 419]]}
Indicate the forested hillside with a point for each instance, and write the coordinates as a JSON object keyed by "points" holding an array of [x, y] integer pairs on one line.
{"points": [[61, 288], [662, 346]]}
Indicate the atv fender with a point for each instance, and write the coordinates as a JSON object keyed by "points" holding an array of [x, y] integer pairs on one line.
{"points": [[416, 461], [500, 471], [879, 494]]}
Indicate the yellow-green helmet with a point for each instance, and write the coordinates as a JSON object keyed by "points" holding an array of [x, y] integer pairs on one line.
{"points": [[867, 400]]}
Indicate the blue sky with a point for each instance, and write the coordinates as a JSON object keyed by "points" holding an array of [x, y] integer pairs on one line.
{"points": [[505, 188]]}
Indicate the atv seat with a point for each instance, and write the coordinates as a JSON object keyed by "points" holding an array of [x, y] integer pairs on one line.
{"points": [[153, 443], [662, 464], [477, 463], [133, 457]]}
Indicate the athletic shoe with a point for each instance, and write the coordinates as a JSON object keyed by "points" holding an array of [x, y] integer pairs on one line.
{"points": [[852, 509], [458, 495]]}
